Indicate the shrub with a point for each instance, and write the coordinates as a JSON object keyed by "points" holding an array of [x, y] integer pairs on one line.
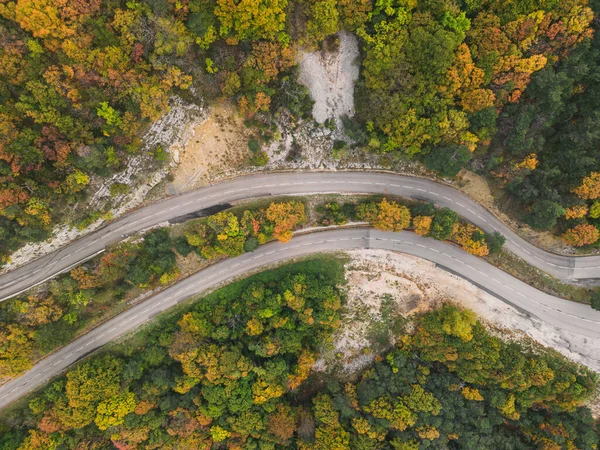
{"points": [[118, 189], [443, 223], [182, 246], [260, 159], [366, 211], [254, 145], [595, 301], [423, 209], [251, 244], [495, 241], [333, 214]]}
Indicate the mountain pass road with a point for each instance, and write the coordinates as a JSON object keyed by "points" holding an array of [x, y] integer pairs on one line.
{"points": [[566, 268], [576, 318]]}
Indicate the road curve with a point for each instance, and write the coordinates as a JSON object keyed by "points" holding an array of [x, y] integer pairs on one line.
{"points": [[569, 316], [563, 267]]}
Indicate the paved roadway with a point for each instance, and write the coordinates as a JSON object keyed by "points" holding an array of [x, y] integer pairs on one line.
{"points": [[563, 267], [573, 317]]}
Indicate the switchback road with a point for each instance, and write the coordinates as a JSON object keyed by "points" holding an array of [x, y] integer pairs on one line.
{"points": [[563, 267], [573, 317]]}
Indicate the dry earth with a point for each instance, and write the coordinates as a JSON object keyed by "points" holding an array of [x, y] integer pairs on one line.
{"points": [[415, 285], [216, 148]]}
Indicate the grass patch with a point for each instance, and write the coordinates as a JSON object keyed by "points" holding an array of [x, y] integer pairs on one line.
{"points": [[536, 278]]}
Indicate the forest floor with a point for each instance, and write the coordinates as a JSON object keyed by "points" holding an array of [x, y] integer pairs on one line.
{"points": [[405, 285]]}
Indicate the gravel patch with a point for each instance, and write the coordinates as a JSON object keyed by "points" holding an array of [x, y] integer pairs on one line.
{"points": [[330, 78]]}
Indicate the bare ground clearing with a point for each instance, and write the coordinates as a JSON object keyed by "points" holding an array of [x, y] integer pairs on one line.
{"points": [[416, 285]]}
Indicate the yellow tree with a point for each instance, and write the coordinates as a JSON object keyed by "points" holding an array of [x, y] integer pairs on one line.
{"points": [[250, 19], [285, 216], [112, 411], [463, 235], [464, 80], [391, 216], [589, 188], [422, 224]]}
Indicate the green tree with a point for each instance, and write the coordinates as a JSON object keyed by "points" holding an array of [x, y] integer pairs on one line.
{"points": [[544, 214], [448, 160], [443, 223]]}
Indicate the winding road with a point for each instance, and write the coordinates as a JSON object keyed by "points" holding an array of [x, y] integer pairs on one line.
{"points": [[575, 318], [566, 268]]}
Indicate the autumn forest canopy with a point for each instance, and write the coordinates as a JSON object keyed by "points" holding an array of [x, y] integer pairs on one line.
{"points": [[508, 89], [235, 370]]}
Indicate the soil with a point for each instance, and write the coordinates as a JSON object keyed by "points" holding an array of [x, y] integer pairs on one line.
{"points": [[215, 148]]}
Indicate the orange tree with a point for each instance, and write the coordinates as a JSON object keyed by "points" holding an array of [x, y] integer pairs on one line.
{"points": [[285, 216], [582, 234], [391, 216]]}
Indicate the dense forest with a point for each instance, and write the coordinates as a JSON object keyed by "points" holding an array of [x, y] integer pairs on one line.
{"points": [[555, 128], [81, 80], [234, 371]]}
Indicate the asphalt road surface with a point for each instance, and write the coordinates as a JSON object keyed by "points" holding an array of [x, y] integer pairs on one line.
{"points": [[563, 267], [574, 317]]}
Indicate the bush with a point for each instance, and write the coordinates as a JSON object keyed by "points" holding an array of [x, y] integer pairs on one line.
{"points": [[595, 301], [443, 223], [182, 246], [355, 131], [251, 244], [339, 149], [260, 159], [254, 145], [495, 241], [349, 211], [423, 209], [118, 189], [294, 97], [332, 214]]}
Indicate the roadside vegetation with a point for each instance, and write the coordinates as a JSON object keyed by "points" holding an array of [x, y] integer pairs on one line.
{"points": [[234, 370], [54, 314]]}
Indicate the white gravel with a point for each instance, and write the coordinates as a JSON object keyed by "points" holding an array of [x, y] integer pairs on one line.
{"points": [[330, 78]]}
